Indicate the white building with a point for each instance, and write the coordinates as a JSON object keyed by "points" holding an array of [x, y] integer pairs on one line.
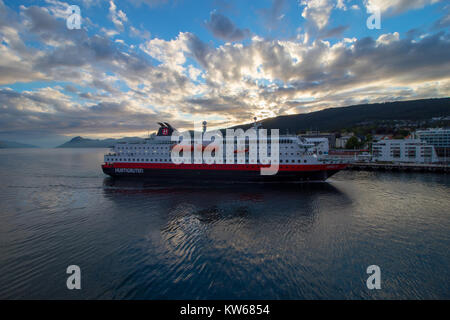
{"points": [[342, 141], [406, 150], [439, 138]]}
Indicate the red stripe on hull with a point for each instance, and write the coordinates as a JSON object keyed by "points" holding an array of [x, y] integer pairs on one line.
{"points": [[234, 167]]}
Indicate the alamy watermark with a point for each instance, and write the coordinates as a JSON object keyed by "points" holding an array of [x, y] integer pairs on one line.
{"points": [[74, 280], [374, 281], [374, 20], [244, 147], [73, 20]]}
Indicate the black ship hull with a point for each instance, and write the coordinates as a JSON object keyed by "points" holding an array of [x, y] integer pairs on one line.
{"points": [[221, 176]]}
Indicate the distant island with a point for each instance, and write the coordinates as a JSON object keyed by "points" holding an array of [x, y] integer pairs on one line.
{"points": [[366, 116], [79, 142], [13, 144]]}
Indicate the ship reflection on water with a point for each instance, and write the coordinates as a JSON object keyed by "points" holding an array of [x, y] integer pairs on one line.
{"points": [[222, 241], [209, 204], [190, 207]]}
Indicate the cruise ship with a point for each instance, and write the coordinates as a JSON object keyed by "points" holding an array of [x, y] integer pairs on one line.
{"points": [[299, 161]]}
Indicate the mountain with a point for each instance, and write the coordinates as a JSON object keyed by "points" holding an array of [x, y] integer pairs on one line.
{"points": [[13, 144], [334, 119], [79, 142]]}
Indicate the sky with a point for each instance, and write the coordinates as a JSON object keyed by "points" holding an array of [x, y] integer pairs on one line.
{"points": [[133, 63]]}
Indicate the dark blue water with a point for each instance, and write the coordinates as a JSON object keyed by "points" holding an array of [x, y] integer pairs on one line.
{"points": [[138, 241]]}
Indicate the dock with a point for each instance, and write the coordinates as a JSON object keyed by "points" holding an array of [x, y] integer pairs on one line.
{"points": [[403, 167]]}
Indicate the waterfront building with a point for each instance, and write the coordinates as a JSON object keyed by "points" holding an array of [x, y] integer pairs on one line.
{"points": [[404, 150], [439, 138], [342, 141]]}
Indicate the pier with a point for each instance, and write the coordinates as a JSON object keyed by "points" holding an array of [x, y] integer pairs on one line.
{"points": [[404, 167]]}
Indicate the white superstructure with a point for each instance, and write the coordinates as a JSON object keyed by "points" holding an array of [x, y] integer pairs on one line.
{"points": [[321, 145], [292, 150]]}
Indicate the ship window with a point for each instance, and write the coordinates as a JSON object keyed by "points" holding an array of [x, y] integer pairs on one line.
{"points": [[305, 161]]}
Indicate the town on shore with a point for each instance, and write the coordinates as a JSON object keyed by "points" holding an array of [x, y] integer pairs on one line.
{"points": [[424, 149]]}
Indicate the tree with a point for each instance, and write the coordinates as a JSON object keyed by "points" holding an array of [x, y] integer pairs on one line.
{"points": [[369, 141], [352, 143]]}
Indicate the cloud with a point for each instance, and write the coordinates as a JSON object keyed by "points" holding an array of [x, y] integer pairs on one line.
{"points": [[341, 5], [273, 15], [35, 111], [444, 21], [333, 32], [118, 18], [320, 69], [169, 53], [41, 21], [317, 12], [398, 6], [223, 28], [109, 32], [388, 38], [139, 33]]}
